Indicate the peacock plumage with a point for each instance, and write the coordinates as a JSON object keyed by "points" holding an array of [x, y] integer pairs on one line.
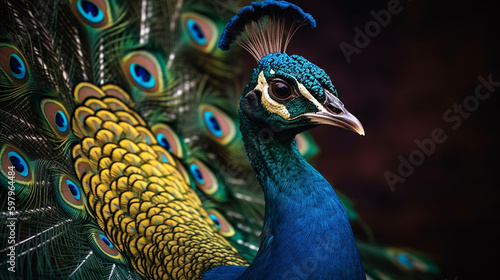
{"points": [[122, 156]]}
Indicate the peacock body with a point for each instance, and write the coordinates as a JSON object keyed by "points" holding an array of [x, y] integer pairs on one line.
{"points": [[121, 156]]}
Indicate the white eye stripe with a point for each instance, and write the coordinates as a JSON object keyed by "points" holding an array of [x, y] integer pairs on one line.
{"points": [[308, 95], [305, 93], [270, 104], [278, 108]]}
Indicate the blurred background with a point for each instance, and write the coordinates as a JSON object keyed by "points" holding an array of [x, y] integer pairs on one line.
{"points": [[426, 59]]}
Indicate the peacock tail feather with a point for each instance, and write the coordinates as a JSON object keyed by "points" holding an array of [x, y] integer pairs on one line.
{"points": [[121, 155]]}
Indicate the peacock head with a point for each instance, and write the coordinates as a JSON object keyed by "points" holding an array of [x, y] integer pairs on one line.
{"points": [[288, 94]]}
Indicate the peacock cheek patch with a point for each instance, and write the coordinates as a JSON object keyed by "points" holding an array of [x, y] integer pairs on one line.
{"points": [[270, 104]]}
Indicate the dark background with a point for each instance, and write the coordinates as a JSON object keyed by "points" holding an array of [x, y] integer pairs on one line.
{"points": [[427, 59]]}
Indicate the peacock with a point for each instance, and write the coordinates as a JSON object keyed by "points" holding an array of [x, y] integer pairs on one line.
{"points": [[131, 149]]}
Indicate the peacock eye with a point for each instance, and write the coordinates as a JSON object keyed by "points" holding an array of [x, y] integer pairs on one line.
{"points": [[17, 67], [196, 32], [280, 89], [18, 163], [90, 11], [73, 189]]}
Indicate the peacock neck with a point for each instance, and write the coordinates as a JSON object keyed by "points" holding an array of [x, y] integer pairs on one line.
{"points": [[306, 231]]}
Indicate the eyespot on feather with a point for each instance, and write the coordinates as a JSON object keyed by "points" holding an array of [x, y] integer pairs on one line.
{"points": [[103, 246], [14, 64], [168, 139], [404, 260], [94, 13], [202, 31], [70, 197], [410, 261], [15, 165], [143, 71], [56, 116], [225, 228], [205, 179], [218, 125]]}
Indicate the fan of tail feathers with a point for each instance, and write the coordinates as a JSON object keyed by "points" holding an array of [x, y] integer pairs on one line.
{"points": [[137, 91]]}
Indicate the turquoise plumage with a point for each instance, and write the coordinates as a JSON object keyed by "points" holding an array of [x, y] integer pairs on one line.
{"points": [[124, 144]]}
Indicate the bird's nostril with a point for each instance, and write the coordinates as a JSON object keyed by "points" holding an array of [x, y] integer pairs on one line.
{"points": [[332, 108], [333, 104]]}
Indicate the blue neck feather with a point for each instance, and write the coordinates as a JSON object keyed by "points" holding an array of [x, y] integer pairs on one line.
{"points": [[306, 232]]}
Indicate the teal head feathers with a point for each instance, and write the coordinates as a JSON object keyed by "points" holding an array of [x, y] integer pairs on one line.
{"points": [[292, 94], [287, 92]]}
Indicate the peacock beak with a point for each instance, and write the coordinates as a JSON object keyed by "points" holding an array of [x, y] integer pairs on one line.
{"points": [[333, 112]]}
